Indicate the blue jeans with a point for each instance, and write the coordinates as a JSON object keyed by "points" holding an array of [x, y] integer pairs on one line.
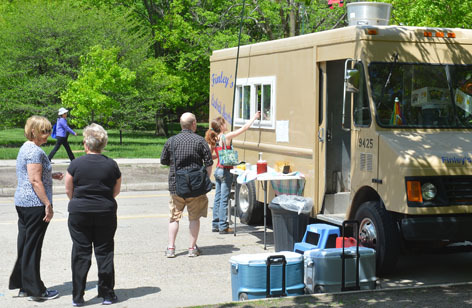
{"points": [[223, 179]]}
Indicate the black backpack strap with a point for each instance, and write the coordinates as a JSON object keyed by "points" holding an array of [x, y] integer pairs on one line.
{"points": [[173, 152]]}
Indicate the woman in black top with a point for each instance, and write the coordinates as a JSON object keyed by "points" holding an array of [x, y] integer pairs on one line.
{"points": [[92, 183]]}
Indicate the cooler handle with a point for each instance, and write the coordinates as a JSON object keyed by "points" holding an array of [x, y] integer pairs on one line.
{"points": [[274, 260], [355, 224], [234, 268]]}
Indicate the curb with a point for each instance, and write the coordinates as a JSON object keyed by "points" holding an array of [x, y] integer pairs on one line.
{"points": [[57, 190]]}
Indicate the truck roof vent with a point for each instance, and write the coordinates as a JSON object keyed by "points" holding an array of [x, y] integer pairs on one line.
{"points": [[368, 13]]}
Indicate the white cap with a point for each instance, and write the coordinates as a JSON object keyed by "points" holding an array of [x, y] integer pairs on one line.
{"points": [[62, 111]]}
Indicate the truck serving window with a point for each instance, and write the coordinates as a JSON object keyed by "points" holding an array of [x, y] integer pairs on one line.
{"points": [[422, 95], [255, 94]]}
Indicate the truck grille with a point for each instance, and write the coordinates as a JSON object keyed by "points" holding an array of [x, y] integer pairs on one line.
{"points": [[452, 190], [458, 189]]}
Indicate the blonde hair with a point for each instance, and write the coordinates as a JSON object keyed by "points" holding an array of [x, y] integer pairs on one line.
{"points": [[36, 125], [211, 135], [95, 137]]}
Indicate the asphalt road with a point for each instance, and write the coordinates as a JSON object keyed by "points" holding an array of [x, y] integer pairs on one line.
{"points": [[145, 278]]}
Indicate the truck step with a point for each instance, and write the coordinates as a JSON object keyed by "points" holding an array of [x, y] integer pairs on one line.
{"points": [[336, 219], [336, 203]]}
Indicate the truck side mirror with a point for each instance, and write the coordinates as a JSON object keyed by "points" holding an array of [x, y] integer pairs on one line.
{"points": [[352, 81]]}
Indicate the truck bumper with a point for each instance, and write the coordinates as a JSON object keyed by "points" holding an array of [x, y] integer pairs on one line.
{"points": [[453, 228]]}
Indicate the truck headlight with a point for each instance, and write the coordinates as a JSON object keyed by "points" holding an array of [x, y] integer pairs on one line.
{"points": [[429, 191]]}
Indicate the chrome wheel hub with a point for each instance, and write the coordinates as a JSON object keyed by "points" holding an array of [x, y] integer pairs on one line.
{"points": [[367, 233], [243, 198]]}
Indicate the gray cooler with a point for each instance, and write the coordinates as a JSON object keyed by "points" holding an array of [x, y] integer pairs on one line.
{"points": [[323, 269]]}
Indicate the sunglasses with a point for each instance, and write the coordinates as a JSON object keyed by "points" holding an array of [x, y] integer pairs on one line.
{"points": [[45, 131]]}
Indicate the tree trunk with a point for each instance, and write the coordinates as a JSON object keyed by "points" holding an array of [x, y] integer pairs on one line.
{"points": [[161, 126], [292, 19], [152, 15]]}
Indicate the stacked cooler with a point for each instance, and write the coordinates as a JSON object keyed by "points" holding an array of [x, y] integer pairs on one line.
{"points": [[266, 275], [323, 269], [316, 270], [342, 268]]}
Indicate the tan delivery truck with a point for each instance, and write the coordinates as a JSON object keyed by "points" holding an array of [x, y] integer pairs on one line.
{"points": [[377, 118]]}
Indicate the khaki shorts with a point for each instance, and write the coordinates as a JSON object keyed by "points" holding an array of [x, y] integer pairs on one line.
{"points": [[196, 207]]}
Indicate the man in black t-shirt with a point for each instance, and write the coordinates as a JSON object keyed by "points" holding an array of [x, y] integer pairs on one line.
{"points": [[190, 151]]}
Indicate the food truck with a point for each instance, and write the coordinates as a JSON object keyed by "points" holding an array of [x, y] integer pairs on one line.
{"points": [[377, 118]]}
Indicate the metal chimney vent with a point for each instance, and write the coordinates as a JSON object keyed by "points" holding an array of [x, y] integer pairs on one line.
{"points": [[368, 13]]}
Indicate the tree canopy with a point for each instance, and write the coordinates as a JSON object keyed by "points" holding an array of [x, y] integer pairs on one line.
{"points": [[135, 63]]}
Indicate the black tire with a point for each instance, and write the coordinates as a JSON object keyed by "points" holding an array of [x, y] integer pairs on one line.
{"points": [[249, 210], [378, 230]]}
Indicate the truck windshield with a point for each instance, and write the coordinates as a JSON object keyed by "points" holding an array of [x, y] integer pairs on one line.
{"points": [[422, 95]]}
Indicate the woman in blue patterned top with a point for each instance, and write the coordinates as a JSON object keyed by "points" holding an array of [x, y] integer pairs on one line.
{"points": [[33, 200]]}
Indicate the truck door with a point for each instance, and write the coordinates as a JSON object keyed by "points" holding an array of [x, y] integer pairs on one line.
{"points": [[322, 135], [334, 149], [338, 136]]}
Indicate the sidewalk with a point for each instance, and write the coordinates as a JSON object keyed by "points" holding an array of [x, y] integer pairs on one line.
{"points": [[137, 175]]}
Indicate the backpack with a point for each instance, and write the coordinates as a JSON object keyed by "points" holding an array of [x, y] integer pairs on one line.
{"points": [[53, 133]]}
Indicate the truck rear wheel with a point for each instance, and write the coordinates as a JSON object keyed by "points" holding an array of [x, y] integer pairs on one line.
{"points": [[249, 210], [377, 230]]}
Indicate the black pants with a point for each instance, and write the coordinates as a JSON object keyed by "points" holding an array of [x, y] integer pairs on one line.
{"points": [[62, 141], [31, 231], [97, 229]]}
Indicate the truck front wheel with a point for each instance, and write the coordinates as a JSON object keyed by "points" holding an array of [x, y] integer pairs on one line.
{"points": [[249, 211], [378, 230]]}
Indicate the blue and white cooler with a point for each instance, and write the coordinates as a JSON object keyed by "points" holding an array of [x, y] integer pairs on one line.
{"points": [[323, 269], [260, 275]]}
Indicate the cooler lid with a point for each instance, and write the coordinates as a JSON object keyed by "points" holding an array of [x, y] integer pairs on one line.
{"points": [[336, 252], [261, 258]]}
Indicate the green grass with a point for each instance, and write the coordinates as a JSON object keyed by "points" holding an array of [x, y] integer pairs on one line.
{"points": [[136, 144], [142, 144]]}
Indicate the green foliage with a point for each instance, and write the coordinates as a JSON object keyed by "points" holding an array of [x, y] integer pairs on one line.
{"points": [[153, 62], [160, 91], [99, 88], [438, 13], [42, 42]]}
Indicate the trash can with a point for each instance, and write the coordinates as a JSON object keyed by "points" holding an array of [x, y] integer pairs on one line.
{"points": [[288, 222]]}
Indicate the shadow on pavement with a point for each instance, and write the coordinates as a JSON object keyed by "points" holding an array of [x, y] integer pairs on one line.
{"points": [[260, 236], [218, 249], [125, 294], [212, 250]]}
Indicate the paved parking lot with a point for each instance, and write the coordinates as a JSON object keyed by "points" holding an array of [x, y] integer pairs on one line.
{"points": [[145, 278]]}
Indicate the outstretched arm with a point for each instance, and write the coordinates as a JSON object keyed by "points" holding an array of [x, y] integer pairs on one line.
{"points": [[229, 136]]}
